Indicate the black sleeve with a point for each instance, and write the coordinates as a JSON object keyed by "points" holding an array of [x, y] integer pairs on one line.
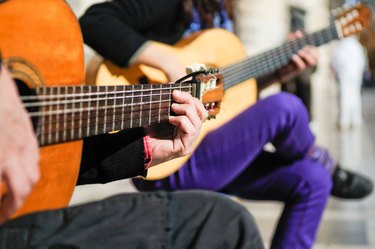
{"points": [[116, 29], [112, 157]]}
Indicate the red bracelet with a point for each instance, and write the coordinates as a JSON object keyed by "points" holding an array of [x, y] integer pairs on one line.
{"points": [[148, 152]]}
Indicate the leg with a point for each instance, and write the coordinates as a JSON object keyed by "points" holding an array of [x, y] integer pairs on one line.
{"points": [[227, 151], [214, 221], [303, 186], [146, 220]]}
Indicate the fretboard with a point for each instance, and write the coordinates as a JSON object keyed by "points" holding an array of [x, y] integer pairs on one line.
{"points": [[268, 62], [75, 112]]}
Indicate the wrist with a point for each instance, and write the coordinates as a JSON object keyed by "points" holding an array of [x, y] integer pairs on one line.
{"points": [[148, 152]]}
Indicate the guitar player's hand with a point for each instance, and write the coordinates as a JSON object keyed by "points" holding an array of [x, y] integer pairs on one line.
{"points": [[18, 148], [190, 115], [305, 58]]}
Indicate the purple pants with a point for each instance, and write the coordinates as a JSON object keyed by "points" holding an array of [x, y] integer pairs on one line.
{"points": [[231, 160]]}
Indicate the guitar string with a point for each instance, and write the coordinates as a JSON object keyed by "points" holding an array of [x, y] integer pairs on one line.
{"points": [[75, 101], [73, 115], [68, 95], [287, 47], [259, 68], [77, 110], [262, 67], [234, 71], [114, 114], [116, 119]]}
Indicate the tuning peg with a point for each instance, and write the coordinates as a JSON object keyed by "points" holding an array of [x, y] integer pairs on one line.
{"points": [[196, 67], [355, 13], [358, 26], [343, 21]]}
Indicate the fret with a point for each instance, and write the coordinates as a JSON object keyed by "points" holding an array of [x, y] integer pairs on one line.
{"points": [[141, 107], [131, 108], [334, 31], [169, 101], [114, 109], [149, 111], [64, 115], [300, 43], [72, 114], [269, 63], [97, 115], [80, 113], [41, 120], [280, 60], [123, 108], [49, 116], [57, 119], [105, 109], [325, 36], [89, 88], [330, 34], [276, 59], [160, 95]]}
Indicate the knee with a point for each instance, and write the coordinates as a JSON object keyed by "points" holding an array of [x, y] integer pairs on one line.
{"points": [[287, 106], [315, 183], [287, 103], [211, 200], [216, 204], [224, 216]]}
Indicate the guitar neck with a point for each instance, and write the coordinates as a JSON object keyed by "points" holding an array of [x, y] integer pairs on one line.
{"points": [[74, 112], [272, 60]]}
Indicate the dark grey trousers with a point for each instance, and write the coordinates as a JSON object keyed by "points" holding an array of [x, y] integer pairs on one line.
{"points": [[153, 220]]}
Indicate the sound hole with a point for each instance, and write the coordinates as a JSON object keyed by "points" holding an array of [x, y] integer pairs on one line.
{"points": [[24, 90]]}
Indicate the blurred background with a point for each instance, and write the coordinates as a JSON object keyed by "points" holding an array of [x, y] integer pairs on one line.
{"points": [[342, 111]]}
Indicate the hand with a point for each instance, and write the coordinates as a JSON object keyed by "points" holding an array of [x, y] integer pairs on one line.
{"points": [[191, 114], [305, 58], [174, 69], [18, 148], [164, 60]]}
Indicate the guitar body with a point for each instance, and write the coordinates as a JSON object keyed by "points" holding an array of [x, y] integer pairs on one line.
{"points": [[215, 48], [45, 34]]}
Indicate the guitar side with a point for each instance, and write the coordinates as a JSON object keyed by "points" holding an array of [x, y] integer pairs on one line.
{"points": [[210, 47], [46, 34]]}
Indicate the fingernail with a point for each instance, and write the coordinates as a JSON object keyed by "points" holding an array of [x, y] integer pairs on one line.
{"points": [[177, 92]]}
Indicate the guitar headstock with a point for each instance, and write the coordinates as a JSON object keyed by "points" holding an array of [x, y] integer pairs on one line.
{"points": [[352, 19], [211, 91]]}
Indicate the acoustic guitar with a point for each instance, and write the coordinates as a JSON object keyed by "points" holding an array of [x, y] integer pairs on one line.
{"points": [[47, 62], [222, 49]]}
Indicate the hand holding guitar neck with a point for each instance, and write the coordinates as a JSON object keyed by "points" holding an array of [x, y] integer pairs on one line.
{"points": [[305, 58], [188, 122]]}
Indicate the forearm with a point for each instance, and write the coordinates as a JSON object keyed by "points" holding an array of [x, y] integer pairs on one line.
{"points": [[267, 80], [113, 157], [117, 29], [105, 31]]}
